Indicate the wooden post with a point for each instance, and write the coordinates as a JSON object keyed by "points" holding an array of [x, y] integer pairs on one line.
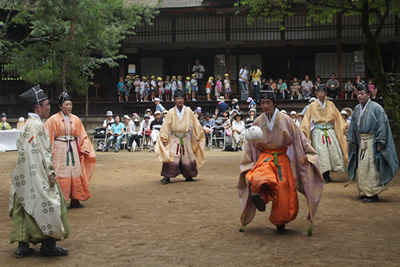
{"points": [[339, 54]]}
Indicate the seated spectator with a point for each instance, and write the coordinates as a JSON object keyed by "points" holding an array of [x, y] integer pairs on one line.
{"points": [[237, 131], [252, 103], [164, 113], [295, 87], [333, 87], [202, 119], [226, 122], [159, 107], [355, 84], [372, 88], [235, 104], [300, 116], [109, 120], [208, 124], [150, 113], [293, 115], [145, 130], [21, 122], [117, 131], [282, 89], [136, 134], [155, 127], [317, 82], [348, 90], [307, 87], [127, 132], [4, 125], [272, 84], [252, 116]]}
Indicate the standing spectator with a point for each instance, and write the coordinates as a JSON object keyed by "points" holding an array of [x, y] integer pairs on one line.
{"points": [[255, 82], [180, 83], [127, 87], [372, 154], [4, 124], [348, 90], [180, 145], [209, 87], [74, 158], [117, 131], [136, 84], [282, 89], [128, 133], [221, 107], [295, 87], [333, 86], [142, 88], [195, 87], [160, 85], [145, 130], [307, 87], [198, 70], [188, 88], [34, 188], [167, 88], [227, 85], [218, 87], [155, 127], [174, 86], [121, 89], [146, 89], [153, 87], [327, 134], [243, 82], [159, 106]]}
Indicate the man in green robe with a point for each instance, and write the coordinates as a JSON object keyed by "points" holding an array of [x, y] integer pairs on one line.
{"points": [[37, 205]]}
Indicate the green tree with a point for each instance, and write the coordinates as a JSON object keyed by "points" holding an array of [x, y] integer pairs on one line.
{"points": [[323, 11], [68, 39]]}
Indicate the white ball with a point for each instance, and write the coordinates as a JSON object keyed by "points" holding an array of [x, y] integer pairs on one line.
{"points": [[254, 134]]}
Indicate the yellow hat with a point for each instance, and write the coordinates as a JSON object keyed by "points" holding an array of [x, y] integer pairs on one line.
{"points": [[179, 76], [144, 78], [167, 76], [173, 77], [128, 76], [211, 78], [226, 75], [187, 78], [159, 79], [193, 75], [137, 76], [153, 76]]}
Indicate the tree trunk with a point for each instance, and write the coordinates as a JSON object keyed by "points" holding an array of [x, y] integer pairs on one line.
{"points": [[65, 60]]}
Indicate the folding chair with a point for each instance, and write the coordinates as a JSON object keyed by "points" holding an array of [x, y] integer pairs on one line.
{"points": [[99, 138], [217, 142]]}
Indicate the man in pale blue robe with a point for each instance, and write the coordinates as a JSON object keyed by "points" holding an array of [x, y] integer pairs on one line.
{"points": [[372, 155]]}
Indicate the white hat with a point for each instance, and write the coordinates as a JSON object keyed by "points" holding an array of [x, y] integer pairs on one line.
{"points": [[147, 110], [344, 113], [127, 117], [293, 112], [165, 111], [109, 113], [283, 111], [235, 100], [252, 109], [21, 119], [157, 112], [156, 99], [221, 98]]}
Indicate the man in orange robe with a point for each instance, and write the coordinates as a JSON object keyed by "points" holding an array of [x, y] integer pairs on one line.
{"points": [[275, 166], [74, 158]]}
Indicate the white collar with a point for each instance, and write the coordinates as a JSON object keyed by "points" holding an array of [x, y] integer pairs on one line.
{"points": [[34, 115], [268, 123], [180, 113], [322, 105], [362, 110]]}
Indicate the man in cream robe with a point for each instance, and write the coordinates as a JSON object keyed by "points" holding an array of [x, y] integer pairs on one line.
{"points": [[325, 128], [37, 205], [181, 142], [372, 154], [273, 168]]}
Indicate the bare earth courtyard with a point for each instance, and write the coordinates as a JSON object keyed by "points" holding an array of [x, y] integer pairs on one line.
{"points": [[133, 220]]}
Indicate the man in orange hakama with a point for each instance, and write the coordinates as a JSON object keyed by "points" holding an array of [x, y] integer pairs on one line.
{"points": [[275, 166]]}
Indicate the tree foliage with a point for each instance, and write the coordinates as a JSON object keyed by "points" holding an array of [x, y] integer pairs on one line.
{"points": [[68, 39], [372, 13]]}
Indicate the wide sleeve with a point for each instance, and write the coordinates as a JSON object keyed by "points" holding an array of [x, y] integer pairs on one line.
{"points": [[198, 141], [306, 123], [44, 146], [87, 156], [305, 164], [339, 128], [51, 125], [163, 151]]}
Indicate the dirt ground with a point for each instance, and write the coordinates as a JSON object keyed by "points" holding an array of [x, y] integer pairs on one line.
{"points": [[133, 220]]}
